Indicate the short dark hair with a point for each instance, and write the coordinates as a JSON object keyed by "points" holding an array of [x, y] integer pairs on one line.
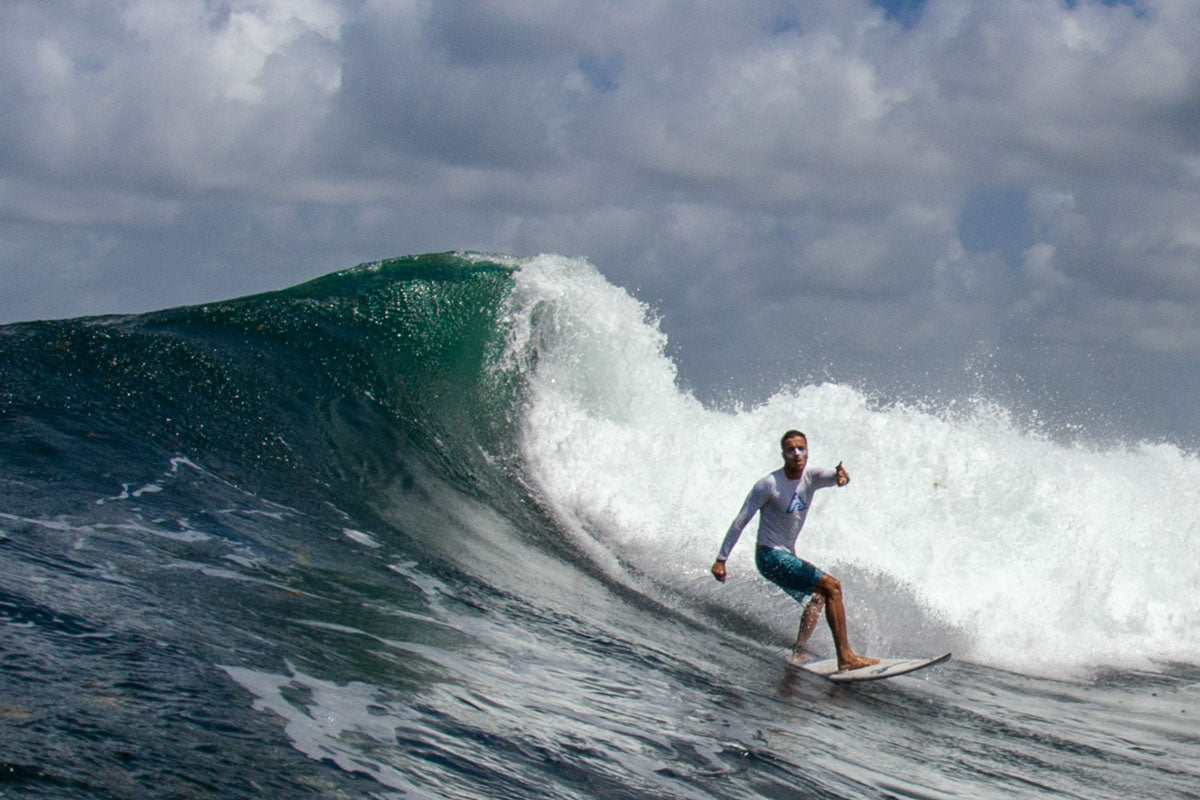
{"points": [[791, 435]]}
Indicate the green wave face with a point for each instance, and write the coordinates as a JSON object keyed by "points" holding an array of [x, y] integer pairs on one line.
{"points": [[336, 380]]}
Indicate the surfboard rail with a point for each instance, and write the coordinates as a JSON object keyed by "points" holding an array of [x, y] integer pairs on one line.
{"points": [[886, 668]]}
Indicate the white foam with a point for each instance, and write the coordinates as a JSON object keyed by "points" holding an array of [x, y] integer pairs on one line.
{"points": [[183, 534], [1037, 553], [365, 539], [331, 713]]}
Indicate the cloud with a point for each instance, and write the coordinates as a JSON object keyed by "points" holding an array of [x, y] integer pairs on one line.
{"points": [[161, 97], [928, 178]]}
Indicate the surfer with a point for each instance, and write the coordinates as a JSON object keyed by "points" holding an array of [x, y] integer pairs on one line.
{"points": [[781, 500]]}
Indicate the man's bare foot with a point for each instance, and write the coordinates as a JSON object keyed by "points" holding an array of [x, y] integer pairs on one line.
{"points": [[800, 657], [856, 662]]}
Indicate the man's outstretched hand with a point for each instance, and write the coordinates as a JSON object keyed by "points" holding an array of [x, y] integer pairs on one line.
{"points": [[843, 477], [718, 570]]}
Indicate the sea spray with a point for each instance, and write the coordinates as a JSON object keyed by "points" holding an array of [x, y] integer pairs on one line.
{"points": [[1031, 553]]}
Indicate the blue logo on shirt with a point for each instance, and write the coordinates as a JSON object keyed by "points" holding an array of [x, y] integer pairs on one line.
{"points": [[797, 503]]}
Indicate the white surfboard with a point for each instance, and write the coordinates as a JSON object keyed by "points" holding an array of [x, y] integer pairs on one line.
{"points": [[886, 668]]}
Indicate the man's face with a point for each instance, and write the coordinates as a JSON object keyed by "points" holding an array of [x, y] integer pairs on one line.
{"points": [[795, 451]]}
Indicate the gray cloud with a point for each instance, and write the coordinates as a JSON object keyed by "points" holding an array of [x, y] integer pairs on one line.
{"points": [[817, 188]]}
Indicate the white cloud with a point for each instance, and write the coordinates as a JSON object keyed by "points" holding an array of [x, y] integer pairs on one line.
{"points": [[154, 93]]}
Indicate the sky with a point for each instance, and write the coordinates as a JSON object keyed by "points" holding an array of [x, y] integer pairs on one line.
{"points": [[943, 199]]}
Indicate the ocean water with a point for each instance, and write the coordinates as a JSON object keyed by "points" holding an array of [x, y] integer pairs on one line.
{"points": [[440, 527]]}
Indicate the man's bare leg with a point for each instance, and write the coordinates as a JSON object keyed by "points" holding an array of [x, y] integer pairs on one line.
{"points": [[835, 615], [808, 623]]}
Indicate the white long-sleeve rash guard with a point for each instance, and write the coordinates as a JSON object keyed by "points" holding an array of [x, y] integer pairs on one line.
{"points": [[782, 503]]}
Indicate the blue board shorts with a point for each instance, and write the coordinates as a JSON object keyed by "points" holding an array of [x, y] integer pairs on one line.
{"points": [[794, 575]]}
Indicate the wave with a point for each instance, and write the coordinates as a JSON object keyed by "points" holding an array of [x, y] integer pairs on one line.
{"points": [[488, 412]]}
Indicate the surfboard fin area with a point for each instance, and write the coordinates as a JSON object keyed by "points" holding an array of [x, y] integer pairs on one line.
{"points": [[886, 668]]}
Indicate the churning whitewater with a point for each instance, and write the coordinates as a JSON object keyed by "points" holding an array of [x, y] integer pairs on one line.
{"points": [[441, 527], [1028, 554]]}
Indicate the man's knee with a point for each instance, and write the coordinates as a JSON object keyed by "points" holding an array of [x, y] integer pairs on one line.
{"points": [[829, 586]]}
